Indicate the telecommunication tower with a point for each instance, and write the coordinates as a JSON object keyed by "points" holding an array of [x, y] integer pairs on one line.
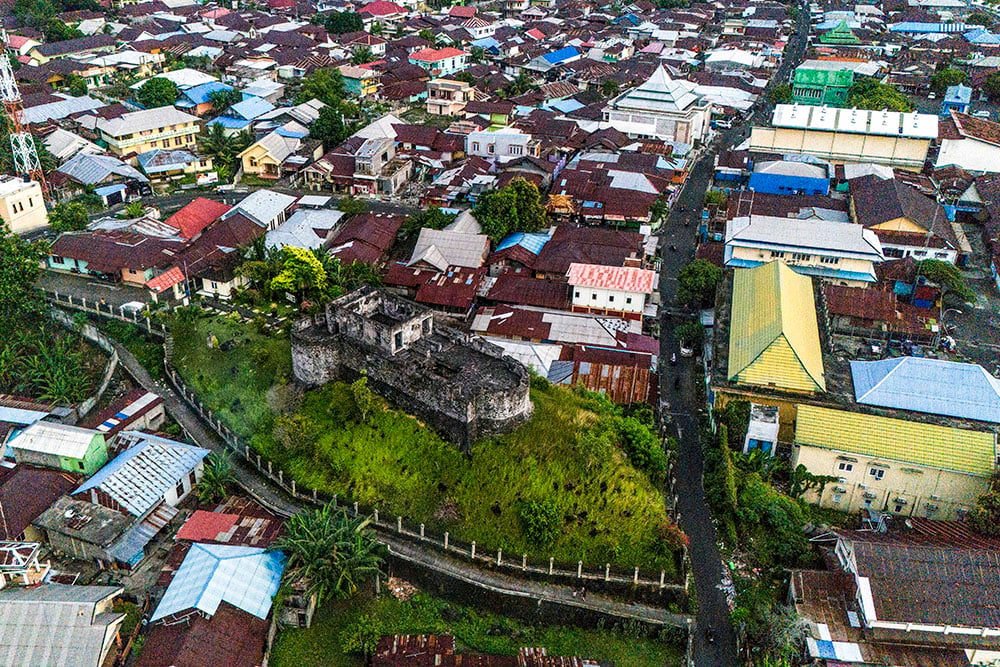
{"points": [[22, 144]]}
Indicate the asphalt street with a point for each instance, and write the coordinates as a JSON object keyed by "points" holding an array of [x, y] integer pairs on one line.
{"points": [[715, 637]]}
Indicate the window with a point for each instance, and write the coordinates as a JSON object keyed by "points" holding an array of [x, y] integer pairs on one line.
{"points": [[899, 508], [628, 299], [57, 260], [179, 489], [178, 141], [846, 467], [777, 253], [837, 497], [576, 295], [877, 473], [830, 260], [517, 150], [490, 148], [593, 297], [80, 465], [398, 341], [475, 146], [801, 257], [611, 298]]}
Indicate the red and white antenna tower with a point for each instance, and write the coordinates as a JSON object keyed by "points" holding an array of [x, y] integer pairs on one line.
{"points": [[22, 144]]}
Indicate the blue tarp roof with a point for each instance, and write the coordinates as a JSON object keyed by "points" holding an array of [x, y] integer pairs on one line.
{"points": [[245, 577], [562, 54], [931, 386], [284, 132], [199, 94], [533, 242]]}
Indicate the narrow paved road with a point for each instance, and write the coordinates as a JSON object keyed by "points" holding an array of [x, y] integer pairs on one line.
{"points": [[272, 496], [682, 394]]}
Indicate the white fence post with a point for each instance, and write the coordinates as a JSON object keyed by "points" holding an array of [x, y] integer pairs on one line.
{"points": [[473, 549], [446, 540]]}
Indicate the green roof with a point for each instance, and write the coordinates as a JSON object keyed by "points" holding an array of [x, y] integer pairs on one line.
{"points": [[916, 443]]}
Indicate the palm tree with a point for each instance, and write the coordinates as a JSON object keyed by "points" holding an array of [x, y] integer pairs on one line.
{"points": [[329, 552], [215, 144], [216, 478], [362, 55]]}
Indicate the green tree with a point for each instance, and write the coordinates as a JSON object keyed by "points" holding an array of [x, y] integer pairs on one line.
{"points": [[948, 277], [610, 88], [329, 552], [520, 85], [659, 210], [362, 55], [728, 470], [338, 23], [431, 218], [301, 274], [780, 94], [376, 28], [984, 517], [352, 205], [366, 402], [697, 282], [946, 77], [716, 198], [35, 12], [296, 432], [868, 93], [991, 86], [329, 127], [979, 18], [428, 35], [133, 210], [68, 216], [157, 92], [216, 478], [223, 99], [541, 521], [516, 207], [221, 148], [325, 85], [477, 54], [76, 85], [691, 334], [57, 31], [19, 269], [465, 76], [642, 447]]}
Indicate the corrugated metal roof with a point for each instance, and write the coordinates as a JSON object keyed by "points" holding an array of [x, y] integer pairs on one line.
{"points": [[623, 278], [139, 477], [931, 386], [245, 577], [93, 169], [774, 305], [141, 121], [930, 445], [55, 439]]}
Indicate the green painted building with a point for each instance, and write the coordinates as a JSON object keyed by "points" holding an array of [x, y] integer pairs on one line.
{"points": [[842, 35], [53, 445], [822, 83]]}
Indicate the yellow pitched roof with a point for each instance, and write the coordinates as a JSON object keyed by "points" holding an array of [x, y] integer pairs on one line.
{"points": [[770, 303], [917, 443]]}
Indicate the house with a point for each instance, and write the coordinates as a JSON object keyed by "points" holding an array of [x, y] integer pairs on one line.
{"points": [[113, 181], [914, 592], [440, 62], [141, 131], [53, 445], [216, 607], [267, 208], [957, 98], [973, 144], [904, 467], [908, 223], [928, 386], [240, 115], [840, 136], [623, 376], [439, 249], [501, 144], [540, 325], [553, 59], [278, 153], [115, 514], [25, 493], [54, 624], [840, 252], [661, 108], [73, 48], [366, 238], [198, 99], [306, 228], [787, 177], [22, 208], [446, 97], [138, 410], [822, 83], [359, 81], [620, 291]]}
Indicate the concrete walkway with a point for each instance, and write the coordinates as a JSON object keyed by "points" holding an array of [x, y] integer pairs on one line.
{"points": [[269, 495]]}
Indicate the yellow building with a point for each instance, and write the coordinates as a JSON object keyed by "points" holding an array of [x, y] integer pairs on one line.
{"points": [[142, 131], [904, 467], [22, 208]]}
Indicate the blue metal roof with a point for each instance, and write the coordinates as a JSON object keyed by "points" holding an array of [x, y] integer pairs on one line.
{"points": [[566, 106], [230, 123], [562, 54], [250, 108], [931, 386], [533, 243], [959, 94], [245, 577], [109, 190], [981, 36], [199, 94], [920, 27]]}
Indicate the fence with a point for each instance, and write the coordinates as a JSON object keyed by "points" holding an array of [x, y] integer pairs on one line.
{"points": [[91, 334], [106, 310], [402, 529]]}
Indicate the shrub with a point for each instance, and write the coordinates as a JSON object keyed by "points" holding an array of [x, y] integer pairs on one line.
{"points": [[642, 447], [541, 520]]}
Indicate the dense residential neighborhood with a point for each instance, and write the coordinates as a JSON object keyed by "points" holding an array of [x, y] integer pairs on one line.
{"points": [[521, 333]]}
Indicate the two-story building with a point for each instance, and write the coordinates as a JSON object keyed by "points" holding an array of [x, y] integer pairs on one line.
{"points": [[359, 81], [54, 445], [446, 97], [502, 144], [141, 131], [822, 83], [440, 62], [622, 291], [21, 205], [661, 108], [840, 252]]}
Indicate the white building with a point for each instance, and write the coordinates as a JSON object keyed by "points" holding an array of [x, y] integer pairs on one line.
{"points": [[610, 290], [661, 108], [972, 144], [505, 144], [22, 208]]}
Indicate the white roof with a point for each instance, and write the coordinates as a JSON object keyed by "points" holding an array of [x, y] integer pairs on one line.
{"points": [[55, 439], [141, 121], [659, 93], [842, 239], [301, 229], [184, 78], [262, 206], [381, 128], [536, 356], [791, 168], [63, 144], [443, 248], [858, 121]]}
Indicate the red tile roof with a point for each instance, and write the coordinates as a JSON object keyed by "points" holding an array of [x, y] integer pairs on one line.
{"points": [[197, 215], [434, 55], [381, 8], [166, 280], [206, 526], [462, 12], [622, 278]]}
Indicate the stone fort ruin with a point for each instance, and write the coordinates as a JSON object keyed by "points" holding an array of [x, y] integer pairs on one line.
{"points": [[462, 386]]}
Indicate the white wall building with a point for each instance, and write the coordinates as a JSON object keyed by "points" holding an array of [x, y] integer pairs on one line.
{"points": [[661, 108], [610, 290]]}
